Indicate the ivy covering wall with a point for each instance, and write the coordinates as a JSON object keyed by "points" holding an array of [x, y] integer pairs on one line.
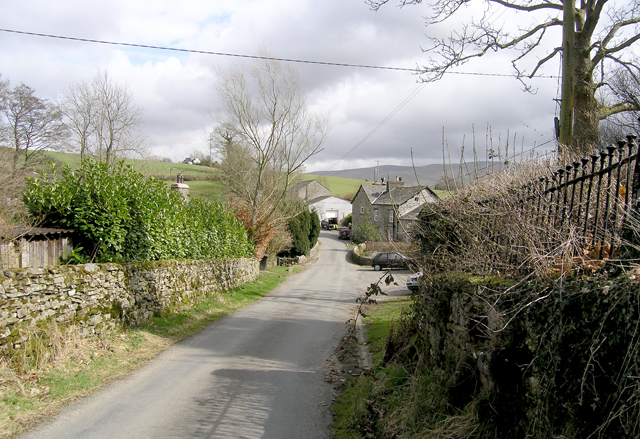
{"points": [[496, 358]]}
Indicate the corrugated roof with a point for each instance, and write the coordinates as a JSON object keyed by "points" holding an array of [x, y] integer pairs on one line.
{"points": [[18, 232]]}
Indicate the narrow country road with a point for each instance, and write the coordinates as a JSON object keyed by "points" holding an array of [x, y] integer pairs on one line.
{"points": [[255, 374]]}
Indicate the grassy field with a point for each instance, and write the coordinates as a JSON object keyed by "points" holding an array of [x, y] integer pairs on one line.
{"points": [[146, 167], [207, 182]]}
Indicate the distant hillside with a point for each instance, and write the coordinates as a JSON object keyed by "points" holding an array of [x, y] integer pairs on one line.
{"points": [[429, 175], [208, 182]]}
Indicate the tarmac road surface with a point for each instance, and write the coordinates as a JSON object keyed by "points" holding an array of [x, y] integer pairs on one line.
{"points": [[255, 374]]}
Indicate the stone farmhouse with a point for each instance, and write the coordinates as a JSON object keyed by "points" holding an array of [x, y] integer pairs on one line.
{"points": [[319, 198], [391, 206]]}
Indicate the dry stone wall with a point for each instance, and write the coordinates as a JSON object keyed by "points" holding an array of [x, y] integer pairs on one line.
{"points": [[103, 295]]}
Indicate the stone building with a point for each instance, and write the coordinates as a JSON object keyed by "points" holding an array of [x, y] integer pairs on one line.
{"points": [[319, 199], [390, 206], [310, 189]]}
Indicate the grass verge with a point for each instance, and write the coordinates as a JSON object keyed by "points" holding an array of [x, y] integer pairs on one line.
{"points": [[63, 365], [354, 415]]}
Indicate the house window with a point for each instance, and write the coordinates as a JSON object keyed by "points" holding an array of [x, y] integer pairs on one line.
{"points": [[362, 210], [375, 215], [391, 216]]}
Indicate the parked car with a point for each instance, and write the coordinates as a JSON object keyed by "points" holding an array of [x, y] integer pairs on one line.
{"points": [[392, 260], [344, 233], [413, 282]]}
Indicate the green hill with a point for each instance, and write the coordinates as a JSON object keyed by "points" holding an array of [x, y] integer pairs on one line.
{"points": [[207, 182], [203, 181]]}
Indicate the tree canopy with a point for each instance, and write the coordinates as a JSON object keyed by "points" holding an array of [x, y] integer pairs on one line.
{"points": [[597, 38], [265, 135]]}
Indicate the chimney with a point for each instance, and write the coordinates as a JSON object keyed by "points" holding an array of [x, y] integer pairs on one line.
{"points": [[181, 187], [394, 184]]}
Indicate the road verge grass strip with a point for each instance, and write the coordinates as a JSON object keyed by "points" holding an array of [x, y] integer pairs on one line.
{"points": [[352, 415], [77, 365]]}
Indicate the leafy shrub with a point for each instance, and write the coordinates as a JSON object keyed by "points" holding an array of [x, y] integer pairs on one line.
{"points": [[300, 228], [122, 216], [367, 231], [346, 222], [305, 230], [314, 231]]}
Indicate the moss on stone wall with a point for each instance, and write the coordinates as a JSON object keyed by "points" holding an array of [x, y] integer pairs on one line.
{"points": [[98, 295], [528, 359]]}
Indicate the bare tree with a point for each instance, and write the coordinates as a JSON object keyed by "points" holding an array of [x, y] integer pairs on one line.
{"points": [[264, 139], [31, 124], [103, 119], [594, 37], [624, 86], [4, 88]]}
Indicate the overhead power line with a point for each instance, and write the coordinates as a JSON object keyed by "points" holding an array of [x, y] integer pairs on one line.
{"points": [[206, 52], [237, 55], [385, 120]]}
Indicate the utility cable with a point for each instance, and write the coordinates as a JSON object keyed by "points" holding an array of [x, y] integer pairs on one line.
{"points": [[385, 120], [236, 55]]}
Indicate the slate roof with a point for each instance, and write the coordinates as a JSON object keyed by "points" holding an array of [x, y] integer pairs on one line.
{"points": [[302, 184], [398, 195], [306, 183], [373, 191], [316, 199], [324, 197], [413, 215]]}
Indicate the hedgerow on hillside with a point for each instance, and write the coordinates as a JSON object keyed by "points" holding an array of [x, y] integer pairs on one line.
{"points": [[119, 215]]}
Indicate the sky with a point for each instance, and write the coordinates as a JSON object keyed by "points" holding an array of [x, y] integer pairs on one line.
{"points": [[377, 116]]}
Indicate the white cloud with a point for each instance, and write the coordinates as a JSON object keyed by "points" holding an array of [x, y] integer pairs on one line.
{"points": [[175, 89]]}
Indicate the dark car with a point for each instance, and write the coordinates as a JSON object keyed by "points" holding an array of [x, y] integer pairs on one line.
{"points": [[392, 260], [344, 233]]}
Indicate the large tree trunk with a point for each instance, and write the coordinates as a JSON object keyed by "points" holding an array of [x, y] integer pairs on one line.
{"points": [[586, 121]]}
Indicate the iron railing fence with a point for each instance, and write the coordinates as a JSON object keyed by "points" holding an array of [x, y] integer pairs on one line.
{"points": [[587, 204]]}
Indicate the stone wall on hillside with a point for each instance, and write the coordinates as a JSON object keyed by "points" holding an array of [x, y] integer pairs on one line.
{"points": [[104, 295]]}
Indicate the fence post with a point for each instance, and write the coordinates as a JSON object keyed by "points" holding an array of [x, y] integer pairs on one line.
{"points": [[605, 219], [631, 221], [635, 187]]}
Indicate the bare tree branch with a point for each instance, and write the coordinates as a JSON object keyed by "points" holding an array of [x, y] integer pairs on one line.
{"points": [[264, 139], [600, 29], [31, 124], [104, 120]]}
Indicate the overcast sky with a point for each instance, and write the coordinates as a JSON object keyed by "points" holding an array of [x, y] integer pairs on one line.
{"points": [[175, 90]]}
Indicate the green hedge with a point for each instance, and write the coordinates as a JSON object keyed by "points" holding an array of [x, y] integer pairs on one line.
{"points": [[366, 232], [305, 230], [120, 215]]}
